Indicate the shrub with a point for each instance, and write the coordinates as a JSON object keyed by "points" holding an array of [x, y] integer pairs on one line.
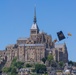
{"points": [[28, 65]]}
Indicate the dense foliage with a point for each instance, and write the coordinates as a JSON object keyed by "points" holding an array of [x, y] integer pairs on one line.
{"points": [[50, 58], [28, 65], [72, 63], [61, 64], [13, 68], [40, 68], [44, 60]]}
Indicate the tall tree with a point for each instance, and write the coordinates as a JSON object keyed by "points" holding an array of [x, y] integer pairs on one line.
{"points": [[50, 58]]}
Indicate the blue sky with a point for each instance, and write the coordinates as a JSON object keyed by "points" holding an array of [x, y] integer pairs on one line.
{"points": [[16, 19]]}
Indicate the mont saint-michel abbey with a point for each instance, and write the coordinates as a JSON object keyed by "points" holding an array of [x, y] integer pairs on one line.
{"points": [[37, 46]]}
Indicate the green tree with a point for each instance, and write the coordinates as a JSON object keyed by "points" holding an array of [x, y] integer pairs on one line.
{"points": [[54, 64], [74, 64], [19, 64], [43, 60], [5, 70], [14, 60], [28, 65], [50, 58], [61, 64], [70, 62], [13, 71], [40, 68]]}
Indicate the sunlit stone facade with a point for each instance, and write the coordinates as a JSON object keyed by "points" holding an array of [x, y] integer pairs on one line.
{"points": [[37, 46]]}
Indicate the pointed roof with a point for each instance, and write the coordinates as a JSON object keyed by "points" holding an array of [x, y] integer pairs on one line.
{"points": [[34, 25]]}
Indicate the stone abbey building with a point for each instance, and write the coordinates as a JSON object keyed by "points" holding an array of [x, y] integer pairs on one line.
{"points": [[36, 47]]}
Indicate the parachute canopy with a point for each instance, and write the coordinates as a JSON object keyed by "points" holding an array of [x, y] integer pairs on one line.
{"points": [[69, 34], [60, 35]]}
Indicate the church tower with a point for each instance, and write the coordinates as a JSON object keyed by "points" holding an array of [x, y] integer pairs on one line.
{"points": [[34, 28]]}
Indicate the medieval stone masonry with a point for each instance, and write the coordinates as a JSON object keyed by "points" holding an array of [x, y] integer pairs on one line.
{"points": [[37, 46]]}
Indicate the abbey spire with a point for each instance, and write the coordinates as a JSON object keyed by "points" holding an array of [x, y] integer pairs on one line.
{"points": [[34, 28], [35, 15], [34, 25]]}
